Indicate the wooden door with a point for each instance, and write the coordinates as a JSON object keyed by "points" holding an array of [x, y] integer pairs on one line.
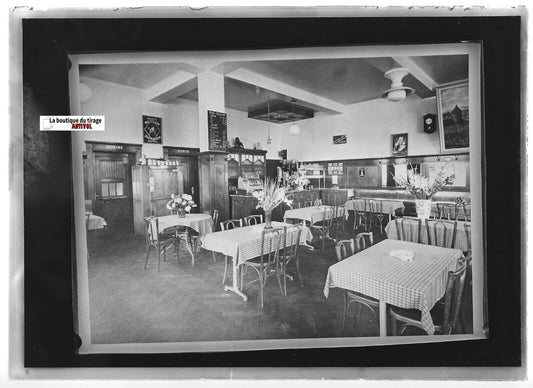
{"points": [[112, 186], [187, 177]]}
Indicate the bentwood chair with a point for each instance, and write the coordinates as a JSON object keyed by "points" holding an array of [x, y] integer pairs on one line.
{"points": [[255, 219], [308, 203], [289, 253], [227, 225], [268, 260], [408, 229], [323, 227], [361, 240], [154, 238], [468, 233], [441, 233], [186, 235], [446, 315], [338, 230], [362, 217], [376, 213], [344, 249]]}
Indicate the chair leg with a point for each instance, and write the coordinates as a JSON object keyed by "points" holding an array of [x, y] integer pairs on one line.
{"points": [[147, 254], [323, 240], [261, 286], [214, 257], [345, 302], [298, 270], [225, 268]]}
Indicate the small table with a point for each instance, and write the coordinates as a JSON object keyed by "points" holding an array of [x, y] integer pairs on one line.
{"points": [[461, 239], [201, 223], [95, 222], [243, 244], [418, 284]]}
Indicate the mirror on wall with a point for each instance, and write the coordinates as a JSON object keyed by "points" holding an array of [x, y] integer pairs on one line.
{"points": [[430, 169]]}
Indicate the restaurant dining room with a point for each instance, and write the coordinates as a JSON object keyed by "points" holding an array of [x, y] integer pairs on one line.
{"points": [[278, 198]]}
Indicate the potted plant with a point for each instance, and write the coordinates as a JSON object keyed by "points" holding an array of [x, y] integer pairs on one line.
{"points": [[420, 187]]}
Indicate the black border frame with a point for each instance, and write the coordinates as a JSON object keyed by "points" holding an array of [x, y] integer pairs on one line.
{"points": [[49, 316]]}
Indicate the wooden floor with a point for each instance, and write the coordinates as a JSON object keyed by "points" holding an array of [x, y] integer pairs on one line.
{"points": [[181, 303]]}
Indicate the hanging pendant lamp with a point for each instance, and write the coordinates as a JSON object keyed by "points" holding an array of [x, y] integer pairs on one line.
{"points": [[397, 91], [294, 129], [269, 140]]}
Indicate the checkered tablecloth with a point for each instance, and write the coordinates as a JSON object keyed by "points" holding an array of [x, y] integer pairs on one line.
{"points": [[461, 241], [202, 223], [418, 284], [245, 243], [311, 213], [388, 206]]}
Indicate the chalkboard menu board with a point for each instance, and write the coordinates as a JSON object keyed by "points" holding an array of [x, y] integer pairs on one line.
{"points": [[218, 130]]}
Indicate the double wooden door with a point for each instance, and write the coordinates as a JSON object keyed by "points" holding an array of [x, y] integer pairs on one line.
{"points": [[112, 189], [187, 176]]}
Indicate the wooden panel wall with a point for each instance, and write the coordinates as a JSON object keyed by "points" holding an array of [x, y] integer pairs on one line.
{"points": [[214, 183]]}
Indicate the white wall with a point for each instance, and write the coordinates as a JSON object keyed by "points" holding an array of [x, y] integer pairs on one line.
{"points": [[123, 108], [368, 126], [250, 131]]}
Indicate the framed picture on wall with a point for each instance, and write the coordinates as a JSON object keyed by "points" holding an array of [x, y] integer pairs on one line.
{"points": [[399, 144], [152, 130], [452, 106]]}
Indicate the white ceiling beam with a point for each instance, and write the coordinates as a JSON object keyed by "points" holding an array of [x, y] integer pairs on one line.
{"points": [[267, 83], [171, 87], [417, 72]]}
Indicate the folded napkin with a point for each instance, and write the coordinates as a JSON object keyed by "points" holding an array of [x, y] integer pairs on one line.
{"points": [[402, 254]]}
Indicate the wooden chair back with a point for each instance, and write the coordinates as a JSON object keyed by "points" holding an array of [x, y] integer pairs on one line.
{"points": [[231, 224], [374, 206], [151, 229], [308, 203], [291, 241], [253, 220], [214, 217], [344, 249], [361, 239], [453, 299], [270, 245], [441, 233], [408, 229]]}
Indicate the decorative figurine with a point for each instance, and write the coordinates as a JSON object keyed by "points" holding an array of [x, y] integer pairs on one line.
{"points": [[238, 143]]}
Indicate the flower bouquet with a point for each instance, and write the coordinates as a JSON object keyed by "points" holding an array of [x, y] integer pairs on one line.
{"points": [[182, 204], [421, 188], [269, 197]]}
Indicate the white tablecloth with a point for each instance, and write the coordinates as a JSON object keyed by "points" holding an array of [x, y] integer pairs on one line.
{"points": [[461, 240], [202, 223], [418, 284], [245, 243], [95, 222], [311, 213], [388, 205]]}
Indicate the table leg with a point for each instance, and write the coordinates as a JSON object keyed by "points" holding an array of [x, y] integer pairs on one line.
{"points": [[382, 319], [235, 285]]}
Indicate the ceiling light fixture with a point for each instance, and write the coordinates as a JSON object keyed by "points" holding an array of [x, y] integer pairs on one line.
{"points": [[397, 91], [269, 140], [294, 129]]}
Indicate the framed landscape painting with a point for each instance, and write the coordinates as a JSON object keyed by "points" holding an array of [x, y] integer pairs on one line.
{"points": [[452, 105]]}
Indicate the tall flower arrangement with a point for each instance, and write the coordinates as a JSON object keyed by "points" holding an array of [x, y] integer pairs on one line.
{"points": [[271, 195], [419, 185]]}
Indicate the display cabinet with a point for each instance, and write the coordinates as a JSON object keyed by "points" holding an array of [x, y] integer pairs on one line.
{"points": [[242, 161]]}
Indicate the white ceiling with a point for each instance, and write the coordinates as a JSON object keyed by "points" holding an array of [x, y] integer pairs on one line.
{"points": [[320, 84]]}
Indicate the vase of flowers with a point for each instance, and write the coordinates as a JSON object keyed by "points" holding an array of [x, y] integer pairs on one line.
{"points": [[270, 197], [420, 187], [180, 204]]}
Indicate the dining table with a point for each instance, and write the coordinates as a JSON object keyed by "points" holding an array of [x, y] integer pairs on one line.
{"points": [[242, 244], [201, 223], [388, 206], [95, 222], [461, 237], [310, 214], [377, 272]]}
